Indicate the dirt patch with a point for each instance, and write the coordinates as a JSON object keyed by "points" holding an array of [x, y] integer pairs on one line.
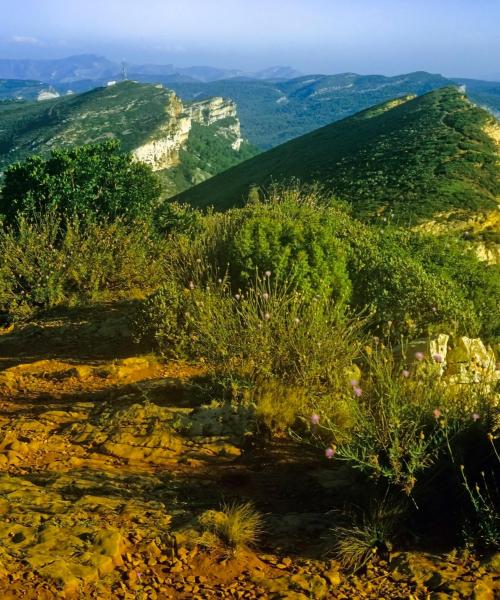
{"points": [[108, 458]]}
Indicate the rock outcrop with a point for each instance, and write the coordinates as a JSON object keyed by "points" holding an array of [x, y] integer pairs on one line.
{"points": [[162, 152], [460, 360]]}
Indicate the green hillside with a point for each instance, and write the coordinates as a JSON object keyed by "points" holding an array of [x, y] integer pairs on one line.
{"points": [[417, 156], [136, 115]]}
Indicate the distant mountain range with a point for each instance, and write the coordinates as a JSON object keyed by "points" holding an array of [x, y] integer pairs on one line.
{"points": [[273, 112], [410, 157], [274, 105], [97, 69]]}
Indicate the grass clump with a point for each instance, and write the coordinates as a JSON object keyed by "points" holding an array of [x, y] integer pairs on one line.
{"points": [[356, 544], [235, 527]]}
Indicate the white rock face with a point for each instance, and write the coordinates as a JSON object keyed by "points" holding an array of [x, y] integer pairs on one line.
{"points": [[162, 152], [209, 111], [47, 95]]}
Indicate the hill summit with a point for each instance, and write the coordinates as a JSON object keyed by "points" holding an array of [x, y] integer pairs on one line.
{"points": [[184, 142], [413, 155]]}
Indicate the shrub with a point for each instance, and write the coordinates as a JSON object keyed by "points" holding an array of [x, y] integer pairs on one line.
{"points": [[420, 437], [93, 180], [50, 261], [268, 331], [403, 425], [451, 260], [410, 297], [292, 234], [294, 238], [236, 526]]}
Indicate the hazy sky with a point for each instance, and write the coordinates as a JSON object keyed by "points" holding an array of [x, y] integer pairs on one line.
{"points": [[453, 37]]}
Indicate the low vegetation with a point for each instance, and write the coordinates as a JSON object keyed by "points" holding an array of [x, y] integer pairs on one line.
{"points": [[235, 527], [295, 308]]}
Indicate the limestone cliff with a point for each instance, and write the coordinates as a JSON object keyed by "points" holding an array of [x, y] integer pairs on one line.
{"points": [[162, 151]]}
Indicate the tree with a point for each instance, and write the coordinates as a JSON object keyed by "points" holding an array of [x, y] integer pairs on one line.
{"points": [[91, 180]]}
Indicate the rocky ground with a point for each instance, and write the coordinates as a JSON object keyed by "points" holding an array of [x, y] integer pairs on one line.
{"points": [[108, 456]]}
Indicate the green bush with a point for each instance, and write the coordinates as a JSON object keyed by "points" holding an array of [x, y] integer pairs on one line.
{"points": [[93, 180], [409, 295], [293, 237], [451, 260], [50, 261]]}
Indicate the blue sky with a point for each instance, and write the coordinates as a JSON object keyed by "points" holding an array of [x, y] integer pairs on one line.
{"points": [[453, 37]]}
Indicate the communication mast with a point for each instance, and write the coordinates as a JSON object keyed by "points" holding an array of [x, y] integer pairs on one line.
{"points": [[124, 71]]}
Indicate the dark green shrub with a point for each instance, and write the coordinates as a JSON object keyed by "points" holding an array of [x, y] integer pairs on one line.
{"points": [[93, 180], [450, 259], [409, 295]]}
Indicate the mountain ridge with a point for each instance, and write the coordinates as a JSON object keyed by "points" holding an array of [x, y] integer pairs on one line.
{"points": [[427, 154], [92, 66]]}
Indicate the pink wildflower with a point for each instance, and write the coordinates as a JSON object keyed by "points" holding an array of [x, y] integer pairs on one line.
{"points": [[437, 413], [267, 316], [353, 383], [405, 373], [237, 296], [314, 419], [330, 453], [265, 295], [268, 273], [358, 391], [437, 357], [191, 285], [419, 356], [475, 417]]}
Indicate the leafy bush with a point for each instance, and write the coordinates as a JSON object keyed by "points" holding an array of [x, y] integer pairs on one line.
{"points": [[49, 261], [294, 238], [450, 259], [92, 180], [314, 244], [410, 295]]}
